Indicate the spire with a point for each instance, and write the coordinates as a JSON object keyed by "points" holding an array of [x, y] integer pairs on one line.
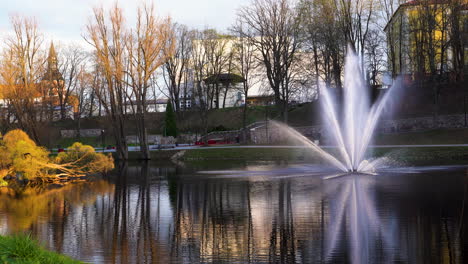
{"points": [[52, 72], [52, 59]]}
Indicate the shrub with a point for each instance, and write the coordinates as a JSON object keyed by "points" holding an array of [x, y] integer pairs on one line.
{"points": [[85, 158], [21, 155], [170, 123]]}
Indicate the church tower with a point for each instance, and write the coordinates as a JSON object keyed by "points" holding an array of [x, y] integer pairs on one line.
{"points": [[52, 74]]}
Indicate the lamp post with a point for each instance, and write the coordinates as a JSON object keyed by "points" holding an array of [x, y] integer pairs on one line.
{"points": [[102, 140]]}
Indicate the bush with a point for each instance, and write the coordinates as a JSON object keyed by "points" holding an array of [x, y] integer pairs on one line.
{"points": [[21, 155], [170, 123], [85, 158]]}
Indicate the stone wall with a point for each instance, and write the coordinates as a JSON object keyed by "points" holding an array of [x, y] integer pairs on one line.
{"points": [[262, 135], [72, 133], [421, 123], [152, 139]]}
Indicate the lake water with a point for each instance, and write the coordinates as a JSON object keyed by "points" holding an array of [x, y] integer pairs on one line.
{"points": [[250, 213]]}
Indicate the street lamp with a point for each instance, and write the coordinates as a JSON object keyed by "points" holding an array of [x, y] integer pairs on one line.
{"points": [[102, 139]]}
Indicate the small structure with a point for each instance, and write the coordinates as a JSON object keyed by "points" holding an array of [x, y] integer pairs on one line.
{"points": [[230, 95], [260, 100]]}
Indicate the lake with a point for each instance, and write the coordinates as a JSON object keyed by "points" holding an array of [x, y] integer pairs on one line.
{"points": [[249, 213]]}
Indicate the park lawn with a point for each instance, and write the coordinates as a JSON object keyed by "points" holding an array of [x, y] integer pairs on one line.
{"points": [[23, 249]]}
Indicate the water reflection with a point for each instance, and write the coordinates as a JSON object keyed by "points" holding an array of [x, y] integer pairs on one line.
{"points": [[165, 214]]}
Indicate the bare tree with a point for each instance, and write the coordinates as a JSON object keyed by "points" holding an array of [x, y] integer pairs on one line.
{"points": [[245, 63], [216, 50], [148, 47], [324, 41], [274, 31], [83, 92], [108, 39], [22, 68], [71, 63], [202, 93], [175, 70]]}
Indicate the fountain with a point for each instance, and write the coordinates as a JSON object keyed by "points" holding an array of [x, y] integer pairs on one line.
{"points": [[352, 133]]}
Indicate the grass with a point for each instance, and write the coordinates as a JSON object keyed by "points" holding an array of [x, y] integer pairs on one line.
{"points": [[23, 249]]}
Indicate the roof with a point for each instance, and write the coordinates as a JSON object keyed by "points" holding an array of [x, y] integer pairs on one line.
{"points": [[418, 2], [224, 78], [261, 97]]}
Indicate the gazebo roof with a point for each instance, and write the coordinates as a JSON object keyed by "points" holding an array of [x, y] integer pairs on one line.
{"points": [[224, 78]]}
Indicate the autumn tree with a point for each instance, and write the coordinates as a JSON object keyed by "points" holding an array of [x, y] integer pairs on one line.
{"points": [[107, 35], [149, 46], [21, 70]]}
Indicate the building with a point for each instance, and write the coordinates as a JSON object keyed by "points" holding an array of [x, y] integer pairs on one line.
{"points": [[260, 100], [152, 105], [419, 37]]}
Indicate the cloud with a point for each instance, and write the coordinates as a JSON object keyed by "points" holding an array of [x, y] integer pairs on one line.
{"points": [[65, 20]]}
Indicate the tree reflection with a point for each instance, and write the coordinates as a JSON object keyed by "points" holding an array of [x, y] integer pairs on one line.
{"points": [[157, 214]]}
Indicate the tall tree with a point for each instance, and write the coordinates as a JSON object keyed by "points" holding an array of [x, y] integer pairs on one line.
{"points": [[107, 35], [71, 62], [149, 46], [22, 68], [274, 31], [245, 63], [175, 70]]}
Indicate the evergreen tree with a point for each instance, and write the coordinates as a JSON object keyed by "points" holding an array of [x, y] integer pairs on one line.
{"points": [[170, 125]]}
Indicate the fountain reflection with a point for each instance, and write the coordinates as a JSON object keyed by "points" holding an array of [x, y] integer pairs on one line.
{"points": [[353, 213]]}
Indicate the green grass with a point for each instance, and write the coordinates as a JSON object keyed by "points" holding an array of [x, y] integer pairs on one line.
{"points": [[23, 249]]}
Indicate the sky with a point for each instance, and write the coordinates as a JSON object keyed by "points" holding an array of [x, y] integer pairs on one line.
{"points": [[64, 20]]}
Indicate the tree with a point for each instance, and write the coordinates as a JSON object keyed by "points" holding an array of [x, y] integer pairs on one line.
{"points": [[108, 40], [201, 91], [72, 59], [175, 70], [21, 70], [149, 46], [245, 63], [170, 124], [274, 31]]}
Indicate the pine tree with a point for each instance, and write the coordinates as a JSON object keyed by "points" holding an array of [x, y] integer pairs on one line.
{"points": [[170, 125]]}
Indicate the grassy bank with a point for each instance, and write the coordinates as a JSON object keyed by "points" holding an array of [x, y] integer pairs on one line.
{"points": [[23, 249], [402, 156]]}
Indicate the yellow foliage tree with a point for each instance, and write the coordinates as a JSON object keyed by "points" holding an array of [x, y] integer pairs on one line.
{"points": [[85, 158], [22, 155]]}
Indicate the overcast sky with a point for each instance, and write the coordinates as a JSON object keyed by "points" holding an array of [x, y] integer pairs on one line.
{"points": [[64, 20]]}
